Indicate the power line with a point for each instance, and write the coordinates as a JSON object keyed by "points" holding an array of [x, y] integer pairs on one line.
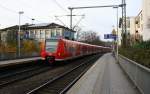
{"points": [[10, 10], [60, 6], [60, 21], [15, 12]]}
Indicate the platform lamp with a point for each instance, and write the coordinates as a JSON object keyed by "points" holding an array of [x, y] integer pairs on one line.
{"points": [[32, 20], [116, 7], [20, 12]]}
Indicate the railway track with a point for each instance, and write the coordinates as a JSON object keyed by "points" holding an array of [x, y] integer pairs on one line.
{"points": [[60, 84], [8, 77]]}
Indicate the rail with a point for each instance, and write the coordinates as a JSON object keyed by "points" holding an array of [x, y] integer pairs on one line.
{"points": [[139, 74], [61, 83]]}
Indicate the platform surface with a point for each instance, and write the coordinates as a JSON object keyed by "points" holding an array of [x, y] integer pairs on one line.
{"points": [[17, 61], [104, 77]]}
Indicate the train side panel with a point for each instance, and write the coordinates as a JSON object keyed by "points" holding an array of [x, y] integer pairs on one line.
{"points": [[63, 49]]}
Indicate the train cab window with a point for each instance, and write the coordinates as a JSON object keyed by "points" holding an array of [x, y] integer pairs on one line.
{"points": [[51, 45]]}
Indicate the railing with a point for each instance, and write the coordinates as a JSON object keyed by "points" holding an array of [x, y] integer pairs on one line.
{"points": [[139, 74]]}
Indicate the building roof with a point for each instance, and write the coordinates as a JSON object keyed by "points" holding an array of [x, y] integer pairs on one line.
{"points": [[38, 26], [47, 26], [15, 27]]}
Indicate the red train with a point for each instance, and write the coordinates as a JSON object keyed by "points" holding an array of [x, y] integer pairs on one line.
{"points": [[62, 49]]}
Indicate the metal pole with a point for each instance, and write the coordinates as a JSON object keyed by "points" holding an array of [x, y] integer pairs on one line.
{"points": [[125, 23], [124, 30], [20, 12], [32, 20], [71, 18], [94, 7], [19, 38], [122, 33], [117, 35], [117, 31]]}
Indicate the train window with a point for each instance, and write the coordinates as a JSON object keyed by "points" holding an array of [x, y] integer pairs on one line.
{"points": [[51, 45]]}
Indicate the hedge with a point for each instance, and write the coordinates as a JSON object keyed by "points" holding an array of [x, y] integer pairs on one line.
{"points": [[139, 53]]}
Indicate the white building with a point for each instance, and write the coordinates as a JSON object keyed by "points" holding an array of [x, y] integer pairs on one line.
{"points": [[139, 27], [131, 28], [134, 29], [146, 19], [38, 32], [44, 31]]}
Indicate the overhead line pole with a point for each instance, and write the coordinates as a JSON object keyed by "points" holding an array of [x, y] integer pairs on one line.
{"points": [[123, 5], [95, 6], [124, 29], [71, 18], [72, 8]]}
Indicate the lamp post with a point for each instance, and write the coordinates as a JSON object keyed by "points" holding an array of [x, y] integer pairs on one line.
{"points": [[117, 31], [20, 12], [32, 20]]}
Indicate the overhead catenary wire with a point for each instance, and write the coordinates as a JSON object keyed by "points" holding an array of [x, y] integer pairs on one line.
{"points": [[15, 12], [60, 6], [26, 16], [8, 9], [60, 21]]}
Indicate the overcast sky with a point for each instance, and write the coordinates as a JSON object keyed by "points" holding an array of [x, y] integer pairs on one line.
{"points": [[43, 11]]}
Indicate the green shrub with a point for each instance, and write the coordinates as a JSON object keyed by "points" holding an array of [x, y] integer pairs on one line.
{"points": [[29, 47], [140, 54]]}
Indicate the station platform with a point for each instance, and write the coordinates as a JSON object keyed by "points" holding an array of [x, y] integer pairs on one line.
{"points": [[104, 77], [17, 61]]}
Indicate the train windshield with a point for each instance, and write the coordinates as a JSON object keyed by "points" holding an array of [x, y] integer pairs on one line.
{"points": [[51, 45]]}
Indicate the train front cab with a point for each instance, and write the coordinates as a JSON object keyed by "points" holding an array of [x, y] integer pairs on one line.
{"points": [[55, 50], [51, 46]]}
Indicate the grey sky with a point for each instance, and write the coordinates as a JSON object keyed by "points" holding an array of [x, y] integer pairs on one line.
{"points": [[99, 20]]}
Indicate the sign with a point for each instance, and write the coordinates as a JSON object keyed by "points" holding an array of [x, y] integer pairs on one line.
{"points": [[110, 36], [107, 36]]}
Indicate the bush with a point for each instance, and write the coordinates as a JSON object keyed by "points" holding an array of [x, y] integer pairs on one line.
{"points": [[7, 48], [140, 55], [29, 47], [143, 45]]}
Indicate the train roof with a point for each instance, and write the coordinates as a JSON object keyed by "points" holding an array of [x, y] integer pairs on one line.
{"points": [[84, 43], [77, 42]]}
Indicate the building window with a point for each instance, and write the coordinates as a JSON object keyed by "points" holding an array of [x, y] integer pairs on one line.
{"points": [[53, 33], [32, 34], [36, 34], [47, 34], [42, 34], [58, 32]]}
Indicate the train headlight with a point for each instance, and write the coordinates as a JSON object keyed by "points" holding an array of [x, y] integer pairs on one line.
{"points": [[43, 58], [60, 54]]}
